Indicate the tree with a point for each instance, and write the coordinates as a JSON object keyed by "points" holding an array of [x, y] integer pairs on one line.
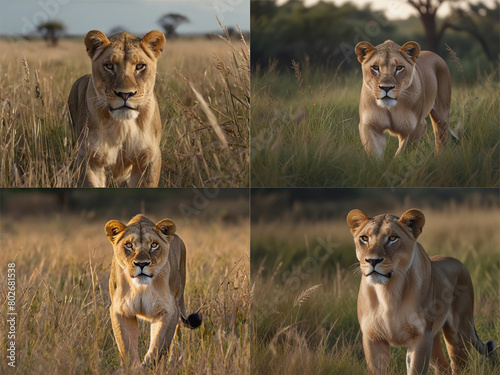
{"points": [[460, 19], [170, 22], [427, 10], [51, 31], [323, 33]]}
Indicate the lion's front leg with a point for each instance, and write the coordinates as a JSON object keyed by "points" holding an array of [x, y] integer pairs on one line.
{"points": [[377, 355], [95, 177], [162, 333], [91, 173], [373, 140], [126, 331], [89, 167], [411, 138], [419, 354], [146, 173]]}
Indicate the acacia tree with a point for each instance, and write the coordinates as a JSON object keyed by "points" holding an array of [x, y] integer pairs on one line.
{"points": [[460, 19], [51, 31], [170, 22]]}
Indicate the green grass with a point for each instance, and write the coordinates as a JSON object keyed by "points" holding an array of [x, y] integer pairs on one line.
{"points": [[305, 133], [298, 328]]}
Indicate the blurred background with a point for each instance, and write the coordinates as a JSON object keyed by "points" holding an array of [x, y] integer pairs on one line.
{"points": [[181, 205], [303, 265], [326, 32], [323, 212]]}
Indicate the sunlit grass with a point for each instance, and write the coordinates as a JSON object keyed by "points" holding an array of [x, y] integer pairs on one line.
{"points": [[62, 297], [37, 145]]}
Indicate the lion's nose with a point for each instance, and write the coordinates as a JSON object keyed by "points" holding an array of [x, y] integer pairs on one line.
{"points": [[142, 264], [374, 262], [386, 88], [125, 95]]}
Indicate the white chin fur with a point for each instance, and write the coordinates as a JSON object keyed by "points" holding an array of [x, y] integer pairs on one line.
{"points": [[387, 103], [374, 279], [124, 114], [141, 280]]}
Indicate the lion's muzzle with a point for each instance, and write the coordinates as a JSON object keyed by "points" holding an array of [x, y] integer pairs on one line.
{"points": [[387, 89], [142, 271], [376, 275], [388, 275], [124, 111], [125, 95]]}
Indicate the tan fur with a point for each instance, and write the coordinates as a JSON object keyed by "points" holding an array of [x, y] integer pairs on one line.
{"points": [[412, 298], [159, 299], [125, 141], [421, 85]]}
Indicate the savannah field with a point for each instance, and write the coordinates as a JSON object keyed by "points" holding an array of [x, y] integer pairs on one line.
{"points": [[203, 90], [304, 131], [62, 297], [304, 286]]}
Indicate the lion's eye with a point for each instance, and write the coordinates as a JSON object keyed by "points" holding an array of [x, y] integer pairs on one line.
{"points": [[154, 245], [129, 246], [400, 68], [109, 67], [364, 239], [140, 66], [375, 68], [393, 239]]}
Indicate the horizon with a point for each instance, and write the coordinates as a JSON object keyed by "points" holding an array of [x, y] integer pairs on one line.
{"points": [[20, 18]]}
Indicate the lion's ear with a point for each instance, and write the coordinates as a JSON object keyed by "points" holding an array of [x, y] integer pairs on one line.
{"points": [[410, 50], [94, 40], [167, 227], [414, 220], [113, 228], [364, 50], [154, 41], [355, 218]]}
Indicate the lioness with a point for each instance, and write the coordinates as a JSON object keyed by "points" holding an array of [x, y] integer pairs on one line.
{"points": [[148, 275], [114, 112], [401, 86], [407, 298]]}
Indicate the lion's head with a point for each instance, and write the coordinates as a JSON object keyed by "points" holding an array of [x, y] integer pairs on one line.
{"points": [[123, 70], [387, 69], [385, 244], [141, 248]]}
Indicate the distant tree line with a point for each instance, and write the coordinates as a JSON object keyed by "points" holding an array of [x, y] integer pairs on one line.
{"points": [[326, 33]]}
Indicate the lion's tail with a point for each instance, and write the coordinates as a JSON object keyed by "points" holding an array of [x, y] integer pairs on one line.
{"points": [[453, 134], [192, 321], [488, 349]]}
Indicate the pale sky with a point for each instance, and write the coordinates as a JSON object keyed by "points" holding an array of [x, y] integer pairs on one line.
{"points": [[140, 16], [136, 16], [394, 9]]}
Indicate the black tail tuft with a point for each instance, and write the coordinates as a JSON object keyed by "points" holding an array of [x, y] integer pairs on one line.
{"points": [[491, 353], [490, 346], [193, 321]]}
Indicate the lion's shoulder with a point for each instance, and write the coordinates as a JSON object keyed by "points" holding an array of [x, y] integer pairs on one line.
{"points": [[77, 103]]}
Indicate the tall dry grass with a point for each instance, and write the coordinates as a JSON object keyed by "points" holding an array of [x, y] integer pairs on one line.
{"points": [[62, 297], [203, 90], [314, 258]]}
